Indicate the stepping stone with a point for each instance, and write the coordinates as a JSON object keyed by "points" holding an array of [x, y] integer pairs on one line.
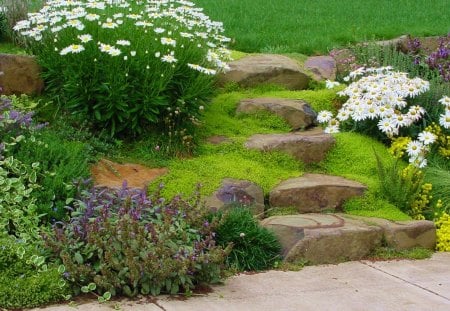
{"points": [[297, 113], [333, 238], [322, 67], [21, 75], [254, 70], [112, 175], [405, 234], [327, 238], [313, 193], [242, 192], [309, 147]]}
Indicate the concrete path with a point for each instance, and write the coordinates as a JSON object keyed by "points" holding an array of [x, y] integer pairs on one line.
{"points": [[360, 285]]}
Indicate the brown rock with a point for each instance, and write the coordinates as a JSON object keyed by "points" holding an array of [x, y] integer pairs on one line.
{"points": [[112, 175], [218, 139], [315, 192], [243, 192], [297, 113], [327, 238], [345, 60], [309, 146], [21, 75], [322, 67], [405, 234], [253, 70]]}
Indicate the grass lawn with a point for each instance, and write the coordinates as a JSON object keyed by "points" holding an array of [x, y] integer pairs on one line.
{"points": [[312, 27]]}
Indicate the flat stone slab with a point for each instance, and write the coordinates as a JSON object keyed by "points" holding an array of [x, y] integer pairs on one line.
{"points": [[312, 193], [297, 113], [242, 192], [332, 238], [328, 238], [309, 146], [20, 75], [254, 70], [112, 175], [322, 67]]}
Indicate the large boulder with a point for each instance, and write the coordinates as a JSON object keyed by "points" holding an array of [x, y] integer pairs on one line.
{"points": [[309, 147], [20, 75], [313, 193], [322, 67], [235, 191], [327, 238], [254, 70], [297, 113]]}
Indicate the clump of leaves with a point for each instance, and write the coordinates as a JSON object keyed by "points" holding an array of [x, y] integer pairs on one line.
{"points": [[254, 247], [126, 242], [25, 279]]}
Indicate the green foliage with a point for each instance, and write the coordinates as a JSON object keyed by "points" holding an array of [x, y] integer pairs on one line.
{"points": [[123, 242], [25, 279], [281, 211], [372, 205], [315, 27], [399, 186], [438, 174], [133, 72], [387, 253], [216, 162], [63, 162], [254, 247], [443, 233]]}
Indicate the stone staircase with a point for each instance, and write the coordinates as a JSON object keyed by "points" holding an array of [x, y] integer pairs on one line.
{"points": [[320, 233]]}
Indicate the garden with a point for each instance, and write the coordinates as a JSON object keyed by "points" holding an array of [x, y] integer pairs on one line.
{"points": [[139, 82]]}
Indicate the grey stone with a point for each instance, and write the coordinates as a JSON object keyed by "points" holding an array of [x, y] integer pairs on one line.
{"points": [[254, 70], [315, 192], [322, 67], [309, 147], [297, 113], [21, 75], [237, 191]]}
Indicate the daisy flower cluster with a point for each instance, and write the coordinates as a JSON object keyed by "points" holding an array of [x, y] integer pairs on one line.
{"points": [[154, 52], [170, 23], [380, 94]]}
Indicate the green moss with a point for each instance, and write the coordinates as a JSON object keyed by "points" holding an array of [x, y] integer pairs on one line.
{"points": [[372, 206], [227, 161], [9, 48], [236, 55], [387, 253], [282, 211]]}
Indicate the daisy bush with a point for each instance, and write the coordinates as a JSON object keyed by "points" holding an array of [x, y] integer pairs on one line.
{"points": [[128, 65], [379, 97]]}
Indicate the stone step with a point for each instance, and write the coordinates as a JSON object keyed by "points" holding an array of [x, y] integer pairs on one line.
{"points": [[315, 193], [254, 70], [308, 146], [333, 238], [297, 113]]}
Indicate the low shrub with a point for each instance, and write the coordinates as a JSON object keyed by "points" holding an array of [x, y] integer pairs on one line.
{"points": [[128, 65], [25, 279], [443, 233], [125, 242], [255, 248]]}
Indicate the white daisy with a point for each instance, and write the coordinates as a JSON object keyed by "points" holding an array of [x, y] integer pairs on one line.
{"points": [[324, 116], [168, 59], [73, 49], [85, 38], [414, 148], [427, 138]]}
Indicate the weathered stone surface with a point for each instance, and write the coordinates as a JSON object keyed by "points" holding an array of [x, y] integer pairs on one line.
{"points": [[21, 75], [112, 175], [237, 191], [405, 234], [309, 146], [322, 67], [315, 192], [327, 238], [345, 60], [297, 113], [266, 69]]}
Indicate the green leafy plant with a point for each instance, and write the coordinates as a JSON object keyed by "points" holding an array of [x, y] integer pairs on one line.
{"points": [[26, 279], [126, 243], [254, 247], [128, 65]]}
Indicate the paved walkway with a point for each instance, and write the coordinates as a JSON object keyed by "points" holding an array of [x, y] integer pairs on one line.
{"points": [[360, 285]]}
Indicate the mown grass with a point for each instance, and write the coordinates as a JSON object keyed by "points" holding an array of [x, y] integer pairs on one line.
{"points": [[316, 26]]}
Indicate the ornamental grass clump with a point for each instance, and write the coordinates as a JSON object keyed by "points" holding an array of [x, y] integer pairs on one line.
{"points": [[129, 66], [123, 242], [377, 99]]}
